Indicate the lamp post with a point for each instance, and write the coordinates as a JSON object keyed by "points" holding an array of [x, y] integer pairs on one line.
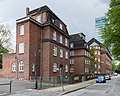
{"points": [[36, 85], [16, 67], [61, 76]]}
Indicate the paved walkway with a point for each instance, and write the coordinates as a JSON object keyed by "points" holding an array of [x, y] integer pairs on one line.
{"points": [[56, 91]]}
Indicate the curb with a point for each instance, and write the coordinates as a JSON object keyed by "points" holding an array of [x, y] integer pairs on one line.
{"points": [[69, 91]]}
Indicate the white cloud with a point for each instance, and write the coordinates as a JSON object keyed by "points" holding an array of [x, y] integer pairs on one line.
{"points": [[79, 15]]}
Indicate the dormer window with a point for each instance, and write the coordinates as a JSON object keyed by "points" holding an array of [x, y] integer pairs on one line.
{"points": [[61, 26], [38, 18]]}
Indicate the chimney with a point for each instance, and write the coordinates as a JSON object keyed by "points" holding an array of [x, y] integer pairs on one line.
{"points": [[27, 11]]}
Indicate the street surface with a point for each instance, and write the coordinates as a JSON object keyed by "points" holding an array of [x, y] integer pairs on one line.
{"points": [[17, 85], [111, 88]]}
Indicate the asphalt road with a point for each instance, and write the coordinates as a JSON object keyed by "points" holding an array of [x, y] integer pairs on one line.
{"points": [[111, 88]]}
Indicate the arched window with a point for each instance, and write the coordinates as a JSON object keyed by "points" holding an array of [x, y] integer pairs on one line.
{"points": [[66, 68], [13, 67], [54, 67], [21, 66]]}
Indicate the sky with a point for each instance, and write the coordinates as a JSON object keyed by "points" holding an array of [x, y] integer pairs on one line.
{"points": [[78, 15]]}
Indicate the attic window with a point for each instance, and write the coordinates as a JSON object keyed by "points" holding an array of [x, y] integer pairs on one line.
{"points": [[53, 21], [61, 26], [38, 18]]}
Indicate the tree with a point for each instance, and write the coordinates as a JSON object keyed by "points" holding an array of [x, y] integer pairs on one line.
{"points": [[111, 32], [114, 66], [93, 61], [5, 37]]}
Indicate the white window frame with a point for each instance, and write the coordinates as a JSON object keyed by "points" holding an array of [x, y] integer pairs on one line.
{"points": [[71, 53], [66, 68], [66, 55], [13, 67], [54, 35], [71, 45], [66, 42], [54, 67], [85, 52], [71, 61], [21, 47], [54, 51], [22, 29], [21, 66], [38, 18], [61, 38], [71, 70], [61, 26], [61, 53]]}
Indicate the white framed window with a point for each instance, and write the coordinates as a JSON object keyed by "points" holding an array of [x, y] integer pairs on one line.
{"points": [[72, 53], [95, 52], [38, 18], [54, 51], [98, 59], [66, 68], [54, 67], [21, 47], [61, 26], [85, 52], [22, 29], [98, 52], [13, 67], [66, 42], [21, 66], [54, 35], [71, 61], [71, 45], [99, 66], [66, 55], [61, 39], [61, 53], [95, 59], [33, 67], [85, 61], [71, 70]]}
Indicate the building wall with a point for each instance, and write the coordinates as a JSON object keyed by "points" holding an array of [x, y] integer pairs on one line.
{"points": [[8, 60]]}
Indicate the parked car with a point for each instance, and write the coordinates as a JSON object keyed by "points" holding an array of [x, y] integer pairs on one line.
{"points": [[107, 77], [115, 74], [100, 79]]}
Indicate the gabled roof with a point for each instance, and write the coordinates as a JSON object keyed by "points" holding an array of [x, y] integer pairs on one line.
{"points": [[76, 37], [93, 40], [45, 9]]}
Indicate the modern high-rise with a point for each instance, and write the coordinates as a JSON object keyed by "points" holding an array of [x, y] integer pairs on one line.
{"points": [[99, 25]]}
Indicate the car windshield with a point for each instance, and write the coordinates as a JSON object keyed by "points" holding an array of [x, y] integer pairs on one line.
{"points": [[100, 77]]}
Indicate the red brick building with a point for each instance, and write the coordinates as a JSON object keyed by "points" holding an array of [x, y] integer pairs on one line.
{"points": [[79, 52], [42, 45], [102, 55]]}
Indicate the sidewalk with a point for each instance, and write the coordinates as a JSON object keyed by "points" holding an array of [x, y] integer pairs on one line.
{"points": [[56, 91]]}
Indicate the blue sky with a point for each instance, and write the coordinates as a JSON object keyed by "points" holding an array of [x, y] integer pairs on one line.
{"points": [[78, 15]]}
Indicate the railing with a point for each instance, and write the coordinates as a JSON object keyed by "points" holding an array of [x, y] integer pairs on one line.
{"points": [[10, 84]]}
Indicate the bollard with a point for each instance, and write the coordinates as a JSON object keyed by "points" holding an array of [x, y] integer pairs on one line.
{"points": [[10, 85]]}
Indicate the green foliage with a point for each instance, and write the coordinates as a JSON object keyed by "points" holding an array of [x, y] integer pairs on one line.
{"points": [[2, 51], [118, 67], [92, 61], [111, 33], [114, 66]]}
